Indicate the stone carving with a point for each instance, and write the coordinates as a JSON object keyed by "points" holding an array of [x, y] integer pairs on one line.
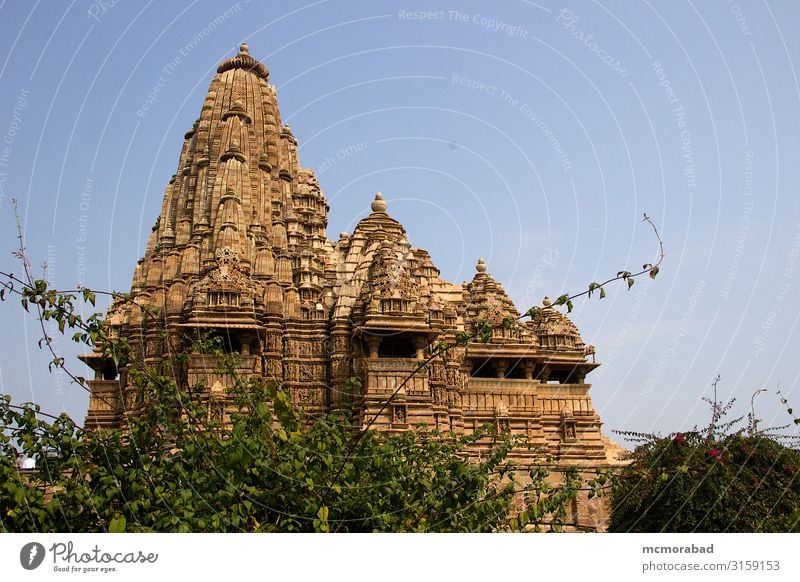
{"points": [[400, 414], [568, 423]]}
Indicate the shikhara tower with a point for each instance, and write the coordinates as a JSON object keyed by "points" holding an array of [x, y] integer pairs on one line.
{"points": [[240, 251]]}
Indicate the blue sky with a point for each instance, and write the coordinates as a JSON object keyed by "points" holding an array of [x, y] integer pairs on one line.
{"points": [[532, 134]]}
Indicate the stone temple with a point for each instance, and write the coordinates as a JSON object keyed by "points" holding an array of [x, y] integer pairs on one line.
{"points": [[240, 251]]}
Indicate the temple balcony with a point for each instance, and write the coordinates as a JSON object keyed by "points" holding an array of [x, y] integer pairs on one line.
{"points": [[204, 369], [525, 396], [385, 375]]}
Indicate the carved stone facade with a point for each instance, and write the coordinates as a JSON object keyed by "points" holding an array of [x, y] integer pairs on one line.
{"points": [[240, 251]]}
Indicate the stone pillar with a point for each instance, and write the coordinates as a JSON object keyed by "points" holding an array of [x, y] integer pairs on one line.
{"points": [[500, 366]]}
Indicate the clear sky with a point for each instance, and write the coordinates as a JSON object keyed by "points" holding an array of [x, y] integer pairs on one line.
{"points": [[532, 134]]}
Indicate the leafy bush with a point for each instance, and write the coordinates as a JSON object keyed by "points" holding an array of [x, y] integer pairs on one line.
{"points": [[709, 480], [173, 469]]}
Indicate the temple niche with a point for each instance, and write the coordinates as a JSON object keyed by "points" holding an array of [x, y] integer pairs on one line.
{"points": [[240, 252]]}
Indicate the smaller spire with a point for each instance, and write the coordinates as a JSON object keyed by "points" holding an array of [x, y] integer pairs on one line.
{"points": [[234, 151], [230, 192], [379, 204], [481, 266]]}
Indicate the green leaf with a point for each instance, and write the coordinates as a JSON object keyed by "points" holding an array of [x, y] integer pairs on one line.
{"points": [[485, 332], [602, 293], [653, 272], [88, 296], [631, 281], [117, 525]]}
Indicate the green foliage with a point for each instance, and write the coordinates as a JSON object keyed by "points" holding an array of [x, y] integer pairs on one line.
{"points": [[271, 470], [564, 299], [594, 286], [534, 312], [483, 331], [709, 480], [789, 409]]}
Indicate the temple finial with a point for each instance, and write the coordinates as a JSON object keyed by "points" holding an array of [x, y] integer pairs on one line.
{"points": [[481, 266], [379, 204]]}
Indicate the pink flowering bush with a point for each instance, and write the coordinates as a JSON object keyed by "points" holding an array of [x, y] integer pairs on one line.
{"points": [[701, 481]]}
